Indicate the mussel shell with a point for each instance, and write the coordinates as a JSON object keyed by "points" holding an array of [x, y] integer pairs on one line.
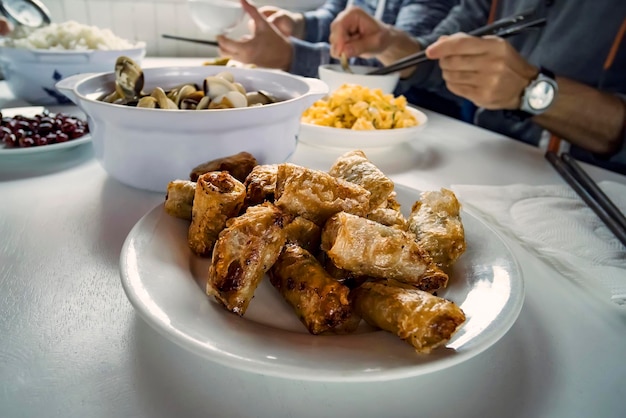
{"points": [[214, 86], [128, 77]]}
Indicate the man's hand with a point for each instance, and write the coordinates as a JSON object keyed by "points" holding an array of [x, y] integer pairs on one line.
{"points": [[356, 33], [5, 26], [288, 23], [266, 47], [487, 71]]}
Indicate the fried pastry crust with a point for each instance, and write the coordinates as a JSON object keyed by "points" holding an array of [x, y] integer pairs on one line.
{"points": [[304, 233], [419, 318], [238, 165], [243, 253], [435, 220], [355, 167], [369, 248], [261, 184], [218, 197], [389, 217], [320, 302], [316, 195], [179, 198]]}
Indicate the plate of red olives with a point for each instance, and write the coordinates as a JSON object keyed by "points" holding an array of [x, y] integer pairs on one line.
{"points": [[34, 129]]}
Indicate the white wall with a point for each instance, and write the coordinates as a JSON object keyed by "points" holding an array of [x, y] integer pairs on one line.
{"points": [[146, 20]]}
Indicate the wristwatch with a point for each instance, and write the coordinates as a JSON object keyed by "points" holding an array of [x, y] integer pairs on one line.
{"points": [[540, 93], [29, 13]]}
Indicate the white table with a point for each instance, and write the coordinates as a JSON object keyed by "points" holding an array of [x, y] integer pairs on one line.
{"points": [[71, 345]]}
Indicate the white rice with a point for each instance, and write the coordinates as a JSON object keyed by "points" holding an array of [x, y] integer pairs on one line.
{"points": [[66, 36]]}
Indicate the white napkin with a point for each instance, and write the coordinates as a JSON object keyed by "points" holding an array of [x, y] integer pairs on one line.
{"points": [[556, 225]]}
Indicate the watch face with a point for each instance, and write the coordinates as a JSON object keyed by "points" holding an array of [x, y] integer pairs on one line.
{"points": [[25, 12], [541, 95]]}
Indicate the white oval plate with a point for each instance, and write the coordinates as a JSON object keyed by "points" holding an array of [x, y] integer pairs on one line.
{"points": [[164, 282], [325, 136], [31, 111]]}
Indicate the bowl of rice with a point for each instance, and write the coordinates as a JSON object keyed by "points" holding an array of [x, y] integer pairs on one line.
{"points": [[33, 61]]}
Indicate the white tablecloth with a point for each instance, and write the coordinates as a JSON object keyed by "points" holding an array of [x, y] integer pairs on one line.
{"points": [[72, 346]]}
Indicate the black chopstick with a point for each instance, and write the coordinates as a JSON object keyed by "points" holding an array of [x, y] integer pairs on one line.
{"points": [[504, 28], [586, 188], [583, 178], [197, 41]]}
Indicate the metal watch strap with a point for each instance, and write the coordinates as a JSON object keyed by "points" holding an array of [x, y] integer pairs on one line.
{"points": [[521, 115]]}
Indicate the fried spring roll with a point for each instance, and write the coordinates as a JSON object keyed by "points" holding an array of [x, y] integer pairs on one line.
{"points": [[436, 222], [345, 277], [304, 233], [391, 202], [419, 318], [369, 248], [355, 167], [238, 165], [179, 198], [218, 197], [389, 217], [243, 253], [261, 184], [320, 302], [316, 195]]}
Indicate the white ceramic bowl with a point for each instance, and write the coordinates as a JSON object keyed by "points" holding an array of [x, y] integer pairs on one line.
{"points": [[335, 77], [215, 16], [326, 136], [31, 74], [147, 148]]}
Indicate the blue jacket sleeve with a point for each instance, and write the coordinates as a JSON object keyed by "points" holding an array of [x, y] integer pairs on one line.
{"points": [[416, 17], [317, 22], [464, 17]]}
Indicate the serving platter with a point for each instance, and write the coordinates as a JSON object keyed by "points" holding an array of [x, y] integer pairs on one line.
{"points": [[31, 111], [165, 282]]}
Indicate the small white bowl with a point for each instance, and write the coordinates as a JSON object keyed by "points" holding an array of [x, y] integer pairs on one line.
{"points": [[31, 74], [335, 77], [147, 148], [215, 17], [326, 136]]}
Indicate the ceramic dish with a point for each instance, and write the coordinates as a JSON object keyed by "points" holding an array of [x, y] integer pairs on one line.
{"points": [[32, 74], [146, 148], [325, 136], [164, 282], [32, 111], [335, 77]]}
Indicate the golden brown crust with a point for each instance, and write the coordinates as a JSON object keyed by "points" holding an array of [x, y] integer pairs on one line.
{"points": [[355, 167], [316, 195], [389, 217], [261, 184], [238, 165], [421, 319], [392, 202], [320, 302], [436, 222], [368, 248], [243, 253], [304, 233], [179, 198], [218, 197], [350, 279]]}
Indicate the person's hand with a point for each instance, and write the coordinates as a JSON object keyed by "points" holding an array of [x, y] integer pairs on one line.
{"points": [[487, 71], [356, 33], [288, 23], [266, 47], [5, 27]]}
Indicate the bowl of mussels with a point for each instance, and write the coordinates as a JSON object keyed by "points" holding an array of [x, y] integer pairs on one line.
{"points": [[152, 125]]}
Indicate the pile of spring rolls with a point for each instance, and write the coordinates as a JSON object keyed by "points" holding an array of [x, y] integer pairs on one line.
{"points": [[334, 244]]}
